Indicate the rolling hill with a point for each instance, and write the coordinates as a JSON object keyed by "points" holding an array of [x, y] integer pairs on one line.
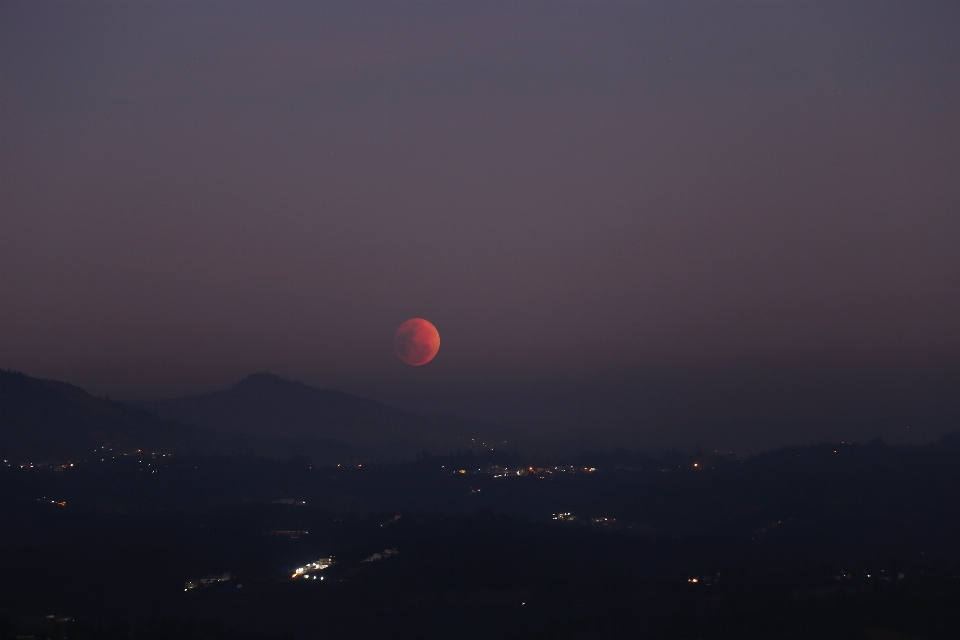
{"points": [[50, 421], [45, 420], [266, 405]]}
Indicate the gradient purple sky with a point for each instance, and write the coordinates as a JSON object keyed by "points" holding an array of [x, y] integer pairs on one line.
{"points": [[574, 193]]}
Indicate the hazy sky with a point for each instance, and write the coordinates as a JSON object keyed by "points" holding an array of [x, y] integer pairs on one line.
{"points": [[571, 192]]}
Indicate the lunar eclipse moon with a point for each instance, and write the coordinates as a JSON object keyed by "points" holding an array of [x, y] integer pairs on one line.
{"points": [[416, 341]]}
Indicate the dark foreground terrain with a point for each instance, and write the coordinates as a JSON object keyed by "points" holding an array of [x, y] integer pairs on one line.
{"points": [[832, 541]]}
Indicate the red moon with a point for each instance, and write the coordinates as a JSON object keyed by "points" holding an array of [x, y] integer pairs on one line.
{"points": [[416, 341]]}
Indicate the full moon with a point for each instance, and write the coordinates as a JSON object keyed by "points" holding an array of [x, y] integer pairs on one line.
{"points": [[416, 341]]}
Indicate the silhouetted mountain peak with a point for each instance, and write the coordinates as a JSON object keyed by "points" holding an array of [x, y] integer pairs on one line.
{"points": [[265, 404], [269, 392], [43, 420], [267, 382]]}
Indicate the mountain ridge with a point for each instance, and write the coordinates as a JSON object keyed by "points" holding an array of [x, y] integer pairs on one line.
{"points": [[42, 420], [265, 404], [262, 414]]}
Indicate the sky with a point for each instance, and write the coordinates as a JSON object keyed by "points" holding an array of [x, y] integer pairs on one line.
{"points": [[654, 223]]}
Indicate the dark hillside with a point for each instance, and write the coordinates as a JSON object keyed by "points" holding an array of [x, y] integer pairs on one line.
{"points": [[268, 405], [45, 420], [49, 421]]}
